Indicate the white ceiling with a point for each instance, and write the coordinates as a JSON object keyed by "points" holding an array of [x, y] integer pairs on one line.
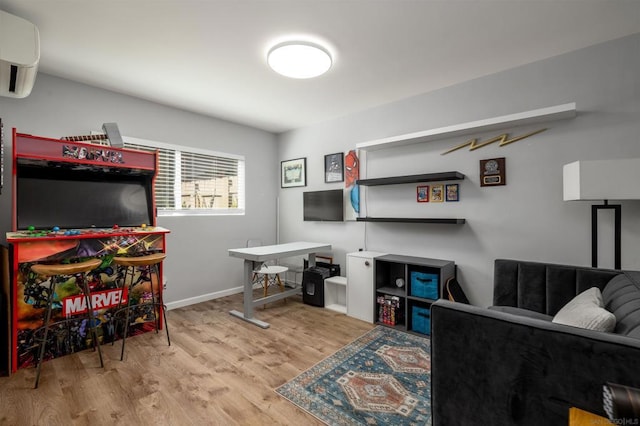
{"points": [[208, 56]]}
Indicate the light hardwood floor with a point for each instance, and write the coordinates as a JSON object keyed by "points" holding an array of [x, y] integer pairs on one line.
{"points": [[219, 370]]}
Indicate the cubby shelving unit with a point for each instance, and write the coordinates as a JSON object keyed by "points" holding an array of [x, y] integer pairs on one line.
{"points": [[414, 297]]}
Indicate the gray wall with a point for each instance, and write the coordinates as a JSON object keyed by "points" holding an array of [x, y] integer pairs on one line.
{"points": [[527, 218], [197, 266]]}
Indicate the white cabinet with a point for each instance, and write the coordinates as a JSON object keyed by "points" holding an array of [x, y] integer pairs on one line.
{"points": [[361, 285]]}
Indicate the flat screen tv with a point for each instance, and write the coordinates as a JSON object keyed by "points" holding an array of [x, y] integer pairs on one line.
{"points": [[324, 206], [70, 201]]}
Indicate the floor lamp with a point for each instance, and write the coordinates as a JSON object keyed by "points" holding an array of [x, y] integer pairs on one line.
{"points": [[603, 180]]}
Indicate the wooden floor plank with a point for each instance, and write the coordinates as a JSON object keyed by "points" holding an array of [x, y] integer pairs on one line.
{"points": [[218, 370]]}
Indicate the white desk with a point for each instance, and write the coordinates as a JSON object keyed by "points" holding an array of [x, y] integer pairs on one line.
{"points": [[262, 254]]}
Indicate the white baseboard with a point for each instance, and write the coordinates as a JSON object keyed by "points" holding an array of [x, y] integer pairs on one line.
{"points": [[204, 298]]}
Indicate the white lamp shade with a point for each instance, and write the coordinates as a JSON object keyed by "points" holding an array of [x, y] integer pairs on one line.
{"points": [[602, 180]]}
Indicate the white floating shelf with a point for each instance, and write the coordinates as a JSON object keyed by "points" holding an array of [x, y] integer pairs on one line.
{"points": [[541, 115]]}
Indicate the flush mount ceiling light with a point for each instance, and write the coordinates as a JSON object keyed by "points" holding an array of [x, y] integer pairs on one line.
{"points": [[299, 59]]}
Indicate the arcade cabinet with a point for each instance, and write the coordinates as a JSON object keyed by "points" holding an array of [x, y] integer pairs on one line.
{"points": [[73, 201]]}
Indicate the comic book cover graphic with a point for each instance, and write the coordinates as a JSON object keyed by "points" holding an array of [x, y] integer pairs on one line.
{"points": [[69, 330]]}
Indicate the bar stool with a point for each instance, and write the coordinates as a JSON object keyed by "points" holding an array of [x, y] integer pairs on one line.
{"points": [[267, 274], [56, 273], [271, 275], [145, 265]]}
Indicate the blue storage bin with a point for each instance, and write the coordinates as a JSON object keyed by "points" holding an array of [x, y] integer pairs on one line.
{"points": [[421, 319], [424, 285]]}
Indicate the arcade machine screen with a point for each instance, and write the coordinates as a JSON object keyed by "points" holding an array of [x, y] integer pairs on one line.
{"points": [[83, 201]]}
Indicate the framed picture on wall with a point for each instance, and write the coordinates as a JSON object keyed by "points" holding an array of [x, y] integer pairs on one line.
{"points": [[452, 192], [422, 194], [437, 193], [334, 167], [293, 173]]}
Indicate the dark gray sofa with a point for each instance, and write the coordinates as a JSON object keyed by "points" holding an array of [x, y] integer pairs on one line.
{"points": [[493, 367]]}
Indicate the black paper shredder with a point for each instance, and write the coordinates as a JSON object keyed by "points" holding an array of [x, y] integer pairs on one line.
{"points": [[313, 285]]}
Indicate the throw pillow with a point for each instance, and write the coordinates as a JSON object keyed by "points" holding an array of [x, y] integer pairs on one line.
{"points": [[586, 311]]}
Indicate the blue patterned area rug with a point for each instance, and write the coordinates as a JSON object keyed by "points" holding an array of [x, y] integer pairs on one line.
{"points": [[382, 378]]}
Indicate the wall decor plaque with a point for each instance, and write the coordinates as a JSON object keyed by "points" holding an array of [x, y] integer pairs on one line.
{"points": [[493, 172]]}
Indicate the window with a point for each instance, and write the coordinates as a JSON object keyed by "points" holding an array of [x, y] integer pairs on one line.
{"points": [[192, 181]]}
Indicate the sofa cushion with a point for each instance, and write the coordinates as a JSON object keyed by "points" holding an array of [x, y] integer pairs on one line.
{"points": [[622, 297], [522, 312], [586, 311]]}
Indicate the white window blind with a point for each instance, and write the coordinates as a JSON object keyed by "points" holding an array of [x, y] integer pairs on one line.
{"points": [[195, 181]]}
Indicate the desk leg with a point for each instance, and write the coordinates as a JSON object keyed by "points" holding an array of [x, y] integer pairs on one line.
{"points": [[248, 298]]}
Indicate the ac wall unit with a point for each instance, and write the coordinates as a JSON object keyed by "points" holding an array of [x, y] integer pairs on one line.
{"points": [[19, 55]]}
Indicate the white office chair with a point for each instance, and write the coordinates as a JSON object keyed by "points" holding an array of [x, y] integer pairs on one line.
{"points": [[267, 274]]}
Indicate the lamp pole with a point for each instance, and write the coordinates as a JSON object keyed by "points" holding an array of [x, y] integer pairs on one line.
{"points": [[617, 208]]}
